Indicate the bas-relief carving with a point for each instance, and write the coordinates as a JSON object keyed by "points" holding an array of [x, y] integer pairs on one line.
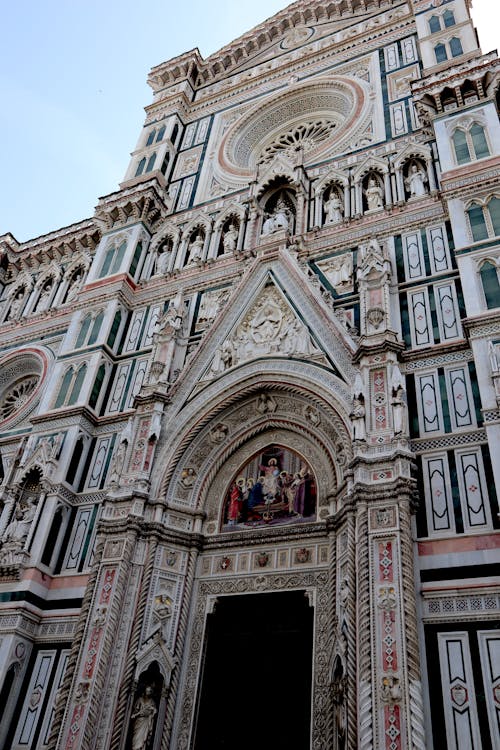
{"points": [[339, 272], [211, 303], [270, 328]]}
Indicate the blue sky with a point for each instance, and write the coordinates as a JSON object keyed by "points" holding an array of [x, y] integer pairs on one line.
{"points": [[73, 88]]}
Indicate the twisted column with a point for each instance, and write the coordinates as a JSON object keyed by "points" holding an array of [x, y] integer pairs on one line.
{"points": [[124, 695], [417, 728], [62, 699], [352, 707], [365, 708], [179, 649]]}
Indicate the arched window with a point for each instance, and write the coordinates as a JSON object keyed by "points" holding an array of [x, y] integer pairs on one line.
{"points": [[434, 24], [63, 390], [479, 143], [440, 52], [151, 163], [151, 137], [114, 329], [96, 388], [82, 336], [135, 259], [494, 211], [456, 47], [461, 147], [119, 257], [175, 133], [94, 334], [477, 223], [491, 285], [164, 166], [77, 385], [161, 133], [449, 18], [140, 167]]}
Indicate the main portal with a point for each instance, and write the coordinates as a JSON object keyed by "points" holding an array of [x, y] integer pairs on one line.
{"points": [[256, 682]]}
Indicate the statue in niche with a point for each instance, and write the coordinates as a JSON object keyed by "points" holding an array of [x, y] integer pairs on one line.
{"points": [[196, 249], [162, 261], [398, 401], [18, 528], [333, 209], [16, 305], [415, 182], [143, 719], [230, 239], [278, 220], [358, 418], [44, 298], [74, 286], [374, 195], [398, 410]]}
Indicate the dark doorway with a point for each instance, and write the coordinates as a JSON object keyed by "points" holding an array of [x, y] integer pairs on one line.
{"points": [[256, 685]]}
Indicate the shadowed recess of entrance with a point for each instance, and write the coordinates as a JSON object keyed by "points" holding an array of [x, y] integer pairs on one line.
{"points": [[256, 682]]}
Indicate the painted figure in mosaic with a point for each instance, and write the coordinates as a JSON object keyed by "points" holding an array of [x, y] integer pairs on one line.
{"points": [[415, 182], [333, 209], [374, 195], [235, 501], [302, 501], [143, 719]]}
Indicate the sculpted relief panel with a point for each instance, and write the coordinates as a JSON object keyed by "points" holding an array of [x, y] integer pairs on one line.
{"points": [[270, 328]]}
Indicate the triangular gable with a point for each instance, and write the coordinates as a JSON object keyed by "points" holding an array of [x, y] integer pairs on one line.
{"points": [[275, 312]]}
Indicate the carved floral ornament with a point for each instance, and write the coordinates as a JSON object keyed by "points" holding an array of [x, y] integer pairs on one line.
{"points": [[309, 117]]}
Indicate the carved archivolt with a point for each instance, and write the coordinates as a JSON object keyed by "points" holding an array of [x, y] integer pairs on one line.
{"points": [[209, 460]]}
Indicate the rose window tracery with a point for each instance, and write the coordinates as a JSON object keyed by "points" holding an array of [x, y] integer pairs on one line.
{"points": [[304, 137], [17, 395], [22, 374], [308, 117]]}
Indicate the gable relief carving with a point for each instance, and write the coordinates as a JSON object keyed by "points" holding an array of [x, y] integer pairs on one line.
{"points": [[269, 329]]}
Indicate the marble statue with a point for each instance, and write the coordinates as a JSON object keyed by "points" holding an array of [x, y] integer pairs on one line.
{"points": [[75, 284], [230, 240], [398, 410], [358, 418], [18, 528], [374, 195], [278, 220], [333, 209], [143, 719], [16, 305], [415, 182], [162, 262], [44, 298], [196, 249]]}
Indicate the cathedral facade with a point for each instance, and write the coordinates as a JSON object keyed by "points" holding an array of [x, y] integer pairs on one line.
{"points": [[250, 410]]}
